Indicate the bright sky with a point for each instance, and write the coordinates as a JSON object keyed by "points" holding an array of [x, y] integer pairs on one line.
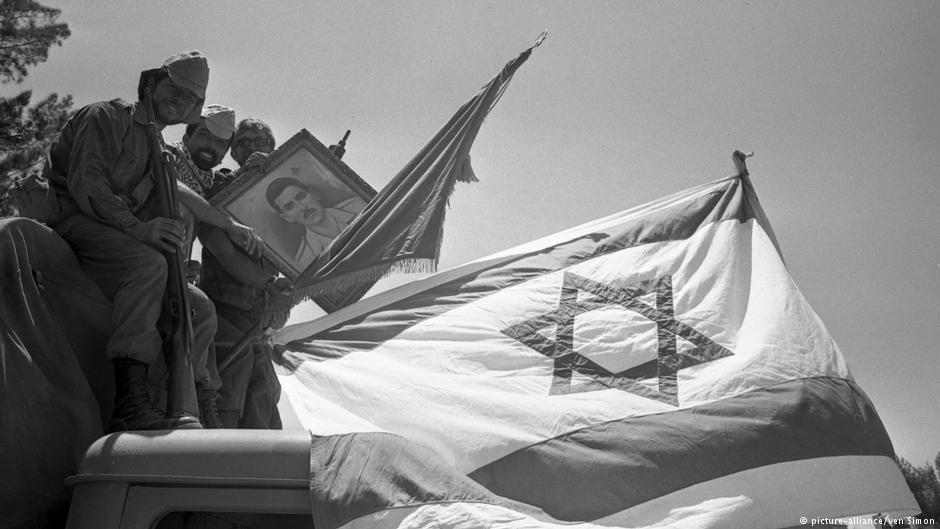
{"points": [[623, 103]]}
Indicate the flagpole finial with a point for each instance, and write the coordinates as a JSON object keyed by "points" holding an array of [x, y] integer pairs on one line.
{"points": [[538, 40], [738, 158]]}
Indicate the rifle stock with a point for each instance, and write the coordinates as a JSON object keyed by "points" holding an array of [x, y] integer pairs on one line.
{"points": [[177, 348]]}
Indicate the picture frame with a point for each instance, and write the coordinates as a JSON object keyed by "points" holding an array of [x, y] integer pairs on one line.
{"points": [[277, 202]]}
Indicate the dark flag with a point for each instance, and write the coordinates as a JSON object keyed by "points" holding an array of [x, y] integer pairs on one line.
{"points": [[402, 227]]}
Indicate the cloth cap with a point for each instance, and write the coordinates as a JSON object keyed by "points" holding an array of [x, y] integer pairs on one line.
{"points": [[189, 70], [220, 120]]}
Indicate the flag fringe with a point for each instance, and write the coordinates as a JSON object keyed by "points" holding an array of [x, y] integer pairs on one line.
{"points": [[369, 274], [276, 312], [465, 172]]}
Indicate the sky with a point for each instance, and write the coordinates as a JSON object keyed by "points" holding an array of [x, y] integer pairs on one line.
{"points": [[623, 103]]}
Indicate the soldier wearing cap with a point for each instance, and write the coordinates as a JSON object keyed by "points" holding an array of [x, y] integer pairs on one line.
{"points": [[192, 160], [100, 170], [244, 292], [202, 148]]}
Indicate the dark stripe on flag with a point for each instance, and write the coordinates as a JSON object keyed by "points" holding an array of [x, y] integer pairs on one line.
{"points": [[736, 201], [353, 475], [604, 469]]}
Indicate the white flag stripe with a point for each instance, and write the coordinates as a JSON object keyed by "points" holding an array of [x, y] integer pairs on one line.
{"points": [[317, 414], [712, 513]]}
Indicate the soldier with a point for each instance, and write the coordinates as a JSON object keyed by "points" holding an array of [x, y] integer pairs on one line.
{"points": [[193, 159], [202, 148], [100, 171], [242, 290]]}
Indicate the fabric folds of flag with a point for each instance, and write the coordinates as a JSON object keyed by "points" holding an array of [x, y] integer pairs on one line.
{"points": [[401, 228], [657, 367]]}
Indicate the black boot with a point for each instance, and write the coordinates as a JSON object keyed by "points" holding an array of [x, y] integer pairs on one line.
{"points": [[133, 407], [208, 409]]}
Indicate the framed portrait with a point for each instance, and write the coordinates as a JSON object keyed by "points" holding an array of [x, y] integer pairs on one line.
{"points": [[300, 204]]}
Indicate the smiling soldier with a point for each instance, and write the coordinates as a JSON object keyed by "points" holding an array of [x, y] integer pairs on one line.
{"points": [[203, 146], [100, 171]]}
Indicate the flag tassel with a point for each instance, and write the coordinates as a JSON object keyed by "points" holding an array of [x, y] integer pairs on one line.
{"points": [[366, 275]]}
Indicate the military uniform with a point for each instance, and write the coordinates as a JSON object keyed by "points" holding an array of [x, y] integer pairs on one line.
{"points": [[250, 388], [100, 171]]}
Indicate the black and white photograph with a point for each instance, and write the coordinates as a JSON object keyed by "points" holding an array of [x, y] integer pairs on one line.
{"points": [[347, 264]]}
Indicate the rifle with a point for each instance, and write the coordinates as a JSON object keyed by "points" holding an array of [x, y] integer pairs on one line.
{"points": [[177, 349]]}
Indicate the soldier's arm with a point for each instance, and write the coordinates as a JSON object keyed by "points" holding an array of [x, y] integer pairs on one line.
{"points": [[95, 153], [96, 146], [206, 213], [243, 268]]}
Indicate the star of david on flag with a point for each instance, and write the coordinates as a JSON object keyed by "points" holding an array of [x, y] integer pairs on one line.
{"points": [[657, 367], [659, 310]]}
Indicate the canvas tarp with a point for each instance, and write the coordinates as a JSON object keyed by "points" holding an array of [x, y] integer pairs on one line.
{"points": [[53, 371]]}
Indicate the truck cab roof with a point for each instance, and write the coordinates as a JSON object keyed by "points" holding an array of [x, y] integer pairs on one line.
{"points": [[199, 456]]}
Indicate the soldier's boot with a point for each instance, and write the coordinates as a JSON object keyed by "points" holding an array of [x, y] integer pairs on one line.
{"points": [[133, 407], [209, 409]]}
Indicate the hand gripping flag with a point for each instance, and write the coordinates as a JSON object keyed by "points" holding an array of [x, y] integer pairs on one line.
{"points": [[401, 228], [655, 367]]}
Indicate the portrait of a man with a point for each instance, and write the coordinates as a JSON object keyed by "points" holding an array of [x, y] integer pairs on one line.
{"points": [[302, 201], [297, 202]]}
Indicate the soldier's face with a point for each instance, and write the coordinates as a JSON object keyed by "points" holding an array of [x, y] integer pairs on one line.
{"points": [[171, 103], [206, 148], [300, 206], [248, 142]]}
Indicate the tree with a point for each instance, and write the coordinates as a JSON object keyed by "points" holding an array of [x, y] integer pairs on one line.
{"points": [[27, 31], [924, 483]]}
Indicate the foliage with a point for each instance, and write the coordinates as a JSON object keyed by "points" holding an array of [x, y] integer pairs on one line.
{"points": [[925, 485], [27, 31], [26, 132]]}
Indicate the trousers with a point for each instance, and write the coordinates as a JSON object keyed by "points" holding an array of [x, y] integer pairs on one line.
{"points": [[250, 388], [133, 276]]}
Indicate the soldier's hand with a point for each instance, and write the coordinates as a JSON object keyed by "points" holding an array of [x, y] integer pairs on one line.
{"points": [[160, 232], [246, 238], [278, 285], [258, 161]]}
